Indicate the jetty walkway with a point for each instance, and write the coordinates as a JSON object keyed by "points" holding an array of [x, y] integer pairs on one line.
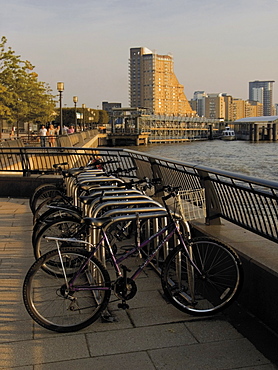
{"points": [[151, 335]]}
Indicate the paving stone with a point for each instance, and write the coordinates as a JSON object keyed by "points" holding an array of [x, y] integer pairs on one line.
{"points": [[133, 360], [155, 315], [139, 339], [122, 322], [233, 354], [14, 331], [40, 351], [212, 330]]}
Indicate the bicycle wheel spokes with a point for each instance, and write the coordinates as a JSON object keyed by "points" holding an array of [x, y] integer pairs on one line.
{"points": [[67, 227], [69, 298], [209, 292]]}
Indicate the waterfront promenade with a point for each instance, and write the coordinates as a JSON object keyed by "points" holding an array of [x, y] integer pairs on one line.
{"points": [[151, 335]]}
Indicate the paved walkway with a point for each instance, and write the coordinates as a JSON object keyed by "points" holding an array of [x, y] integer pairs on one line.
{"points": [[150, 335]]}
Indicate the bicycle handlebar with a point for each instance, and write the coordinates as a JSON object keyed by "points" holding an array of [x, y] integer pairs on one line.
{"points": [[171, 190], [148, 182]]}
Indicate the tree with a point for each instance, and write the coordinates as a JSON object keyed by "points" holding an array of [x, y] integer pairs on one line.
{"points": [[103, 117], [23, 97]]}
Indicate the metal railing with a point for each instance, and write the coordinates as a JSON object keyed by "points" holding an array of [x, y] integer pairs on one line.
{"points": [[245, 201]]}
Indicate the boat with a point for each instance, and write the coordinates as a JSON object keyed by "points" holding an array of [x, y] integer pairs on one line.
{"points": [[228, 134]]}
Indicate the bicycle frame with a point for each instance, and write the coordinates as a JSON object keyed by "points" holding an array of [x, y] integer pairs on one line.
{"points": [[171, 228]]}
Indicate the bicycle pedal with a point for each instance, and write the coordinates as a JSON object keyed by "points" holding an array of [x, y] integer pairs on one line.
{"points": [[108, 318], [124, 306]]}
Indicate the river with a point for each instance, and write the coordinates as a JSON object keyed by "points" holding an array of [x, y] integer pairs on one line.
{"points": [[258, 160]]}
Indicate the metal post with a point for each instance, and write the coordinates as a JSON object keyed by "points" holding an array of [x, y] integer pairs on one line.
{"points": [[83, 106], [60, 88], [75, 100]]}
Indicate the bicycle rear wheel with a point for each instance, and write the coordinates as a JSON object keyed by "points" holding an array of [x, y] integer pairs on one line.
{"points": [[217, 286], [58, 307], [49, 191], [57, 201], [39, 189], [54, 214], [67, 227]]}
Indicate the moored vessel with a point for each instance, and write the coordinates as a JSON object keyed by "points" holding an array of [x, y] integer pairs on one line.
{"points": [[228, 134]]}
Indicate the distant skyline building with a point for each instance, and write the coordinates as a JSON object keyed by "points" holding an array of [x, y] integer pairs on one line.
{"points": [[199, 97], [108, 107], [262, 91], [154, 85], [215, 106]]}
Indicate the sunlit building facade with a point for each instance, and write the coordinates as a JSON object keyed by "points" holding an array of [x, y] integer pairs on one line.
{"points": [[154, 85]]}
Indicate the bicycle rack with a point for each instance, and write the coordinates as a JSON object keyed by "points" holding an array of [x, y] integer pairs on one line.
{"points": [[117, 207], [86, 200], [74, 173], [94, 181], [96, 202], [143, 214]]}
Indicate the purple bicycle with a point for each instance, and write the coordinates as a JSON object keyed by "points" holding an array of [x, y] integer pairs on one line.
{"points": [[69, 288]]}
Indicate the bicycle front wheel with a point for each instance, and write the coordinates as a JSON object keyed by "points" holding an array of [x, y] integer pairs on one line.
{"points": [[71, 296], [209, 290]]}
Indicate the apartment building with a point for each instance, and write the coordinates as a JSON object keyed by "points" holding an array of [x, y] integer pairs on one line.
{"points": [[262, 91], [215, 106], [253, 109], [198, 103], [238, 109], [154, 85], [228, 100]]}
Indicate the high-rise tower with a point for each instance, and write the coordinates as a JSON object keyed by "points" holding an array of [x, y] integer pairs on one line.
{"points": [[262, 91], [154, 85]]}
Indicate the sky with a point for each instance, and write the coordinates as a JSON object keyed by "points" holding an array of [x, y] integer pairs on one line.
{"points": [[217, 45]]}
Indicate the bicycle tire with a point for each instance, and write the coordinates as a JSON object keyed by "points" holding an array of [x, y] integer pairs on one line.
{"points": [[38, 189], [53, 215], [56, 308], [67, 227], [42, 207], [43, 194], [219, 285]]}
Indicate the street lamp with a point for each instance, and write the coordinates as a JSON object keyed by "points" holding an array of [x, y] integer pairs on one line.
{"points": [[60, 88], [83, 107], [75, 100]]}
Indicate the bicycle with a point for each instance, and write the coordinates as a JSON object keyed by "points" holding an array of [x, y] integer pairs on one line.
{"points": [[68, 288]]}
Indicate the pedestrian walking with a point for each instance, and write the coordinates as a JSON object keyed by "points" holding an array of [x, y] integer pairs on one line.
{"points": [[51, 135], [43, 133]]}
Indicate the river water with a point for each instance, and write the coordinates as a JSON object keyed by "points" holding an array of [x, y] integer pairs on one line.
{"points": [[258, 160]]}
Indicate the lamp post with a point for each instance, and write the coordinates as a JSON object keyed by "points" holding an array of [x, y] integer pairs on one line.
{"points": [[83, 107], [60, 88], [75, 100]]}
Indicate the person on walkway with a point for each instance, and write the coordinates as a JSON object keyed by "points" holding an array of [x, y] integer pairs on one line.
{"points": [[43, 133], [12, 134], [51, 135], [71, 130], [57, 131]]}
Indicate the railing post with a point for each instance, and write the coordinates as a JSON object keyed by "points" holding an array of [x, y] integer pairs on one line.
{"points": [[25, 162], [156, 175], [212, 202]]}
